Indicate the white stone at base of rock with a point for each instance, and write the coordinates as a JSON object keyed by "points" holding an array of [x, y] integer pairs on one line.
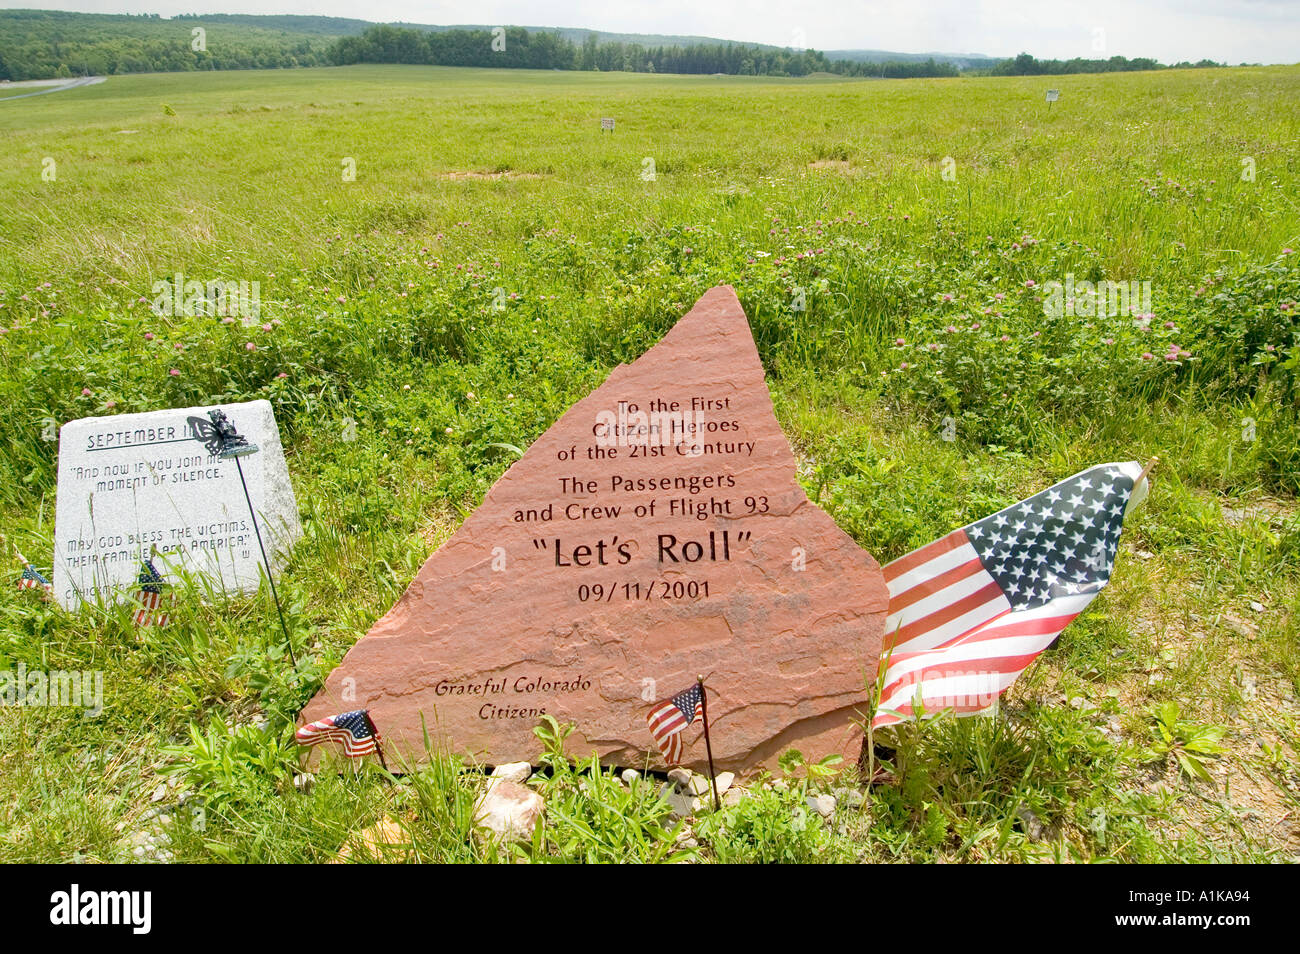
{"points": [[683, 805], [509, 810], [823, 805], [131, 482], [518, 772]]}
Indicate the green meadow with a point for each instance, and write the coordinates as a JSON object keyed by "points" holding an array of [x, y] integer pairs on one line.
{"points": [[450, 257]]}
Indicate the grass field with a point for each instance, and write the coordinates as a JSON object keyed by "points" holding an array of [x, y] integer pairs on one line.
{"points": [[919, 221]]}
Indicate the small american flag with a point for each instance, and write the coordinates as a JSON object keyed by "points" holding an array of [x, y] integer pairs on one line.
{"points": [[667, 719], [149, 596], [969, 612], [32, 580], [354, 729]]}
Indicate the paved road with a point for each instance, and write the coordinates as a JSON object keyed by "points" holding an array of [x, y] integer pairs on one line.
{"points": [[83, 81]]}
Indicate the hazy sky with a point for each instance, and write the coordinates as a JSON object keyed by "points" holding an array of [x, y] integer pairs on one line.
{"points": [[1265, 31]]}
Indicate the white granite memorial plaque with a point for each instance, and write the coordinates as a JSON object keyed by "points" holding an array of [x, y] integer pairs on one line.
{"points": [[135, 482]]}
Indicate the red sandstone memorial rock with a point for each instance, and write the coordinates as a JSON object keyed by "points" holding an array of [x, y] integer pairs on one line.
{"points": [[654, 533]]}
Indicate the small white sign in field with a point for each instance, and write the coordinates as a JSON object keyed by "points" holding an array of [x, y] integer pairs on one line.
{"points": [[135, 482], [607, 123], [1053, 95]]}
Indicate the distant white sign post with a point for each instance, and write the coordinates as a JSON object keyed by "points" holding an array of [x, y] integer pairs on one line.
{"points": [[607, 122], [1052, 96]]}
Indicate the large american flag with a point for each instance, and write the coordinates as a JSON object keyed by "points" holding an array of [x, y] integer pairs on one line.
{"points": [[149, 596], [969, 612], [667, 719], [354, 729]]}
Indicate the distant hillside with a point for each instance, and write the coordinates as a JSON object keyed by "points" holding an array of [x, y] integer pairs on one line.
{"points": [[40, 44], [578, 36], [960, 60], [340, 26], [550, 49], [332, 27], [343, 26]]}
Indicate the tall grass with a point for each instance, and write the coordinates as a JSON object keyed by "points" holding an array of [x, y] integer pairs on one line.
{"points": [[379, 297]]}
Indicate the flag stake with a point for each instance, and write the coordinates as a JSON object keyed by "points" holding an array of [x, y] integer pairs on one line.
{"points": [[224, 442], [1146, 470], [269, 577], [379, 746], [708, 745]]}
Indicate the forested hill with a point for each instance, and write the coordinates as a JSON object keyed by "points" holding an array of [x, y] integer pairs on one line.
{"points": [[37, 44], [551, 50], [40, 44], [518, 47]]}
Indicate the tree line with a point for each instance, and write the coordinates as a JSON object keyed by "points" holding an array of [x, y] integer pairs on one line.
{"points": [[44, 44], [1026, 65], [36, 44], [516, 47], [543, 50]]}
